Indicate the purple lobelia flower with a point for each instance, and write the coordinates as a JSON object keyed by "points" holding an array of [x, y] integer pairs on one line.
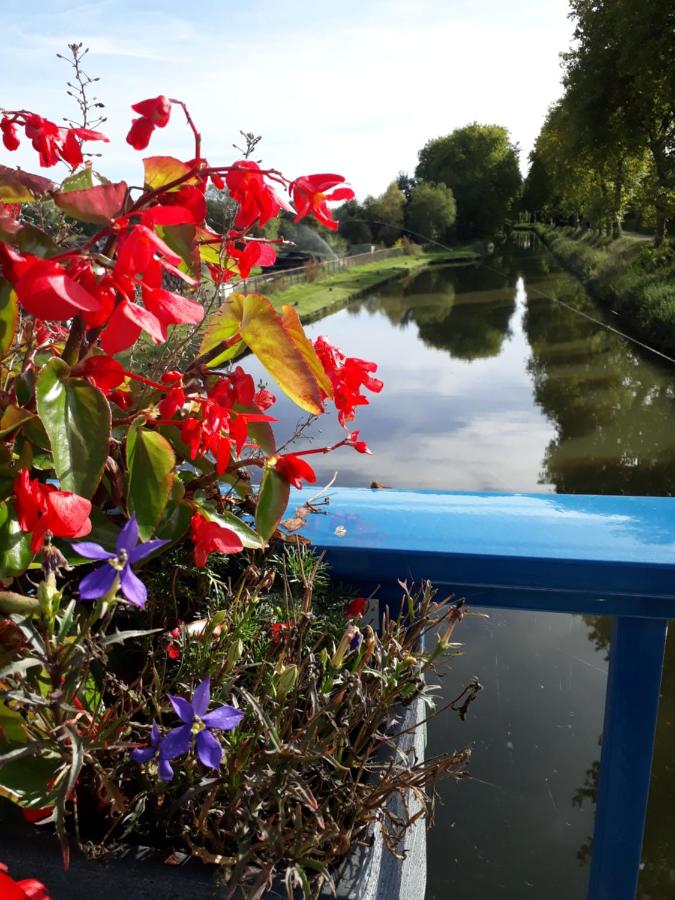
{"points": [[145, 754], [199, 725], [117, 565]]}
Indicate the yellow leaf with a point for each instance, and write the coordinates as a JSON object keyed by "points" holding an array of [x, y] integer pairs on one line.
{"points": [[162, 170], [263, 330], [293, 325]]}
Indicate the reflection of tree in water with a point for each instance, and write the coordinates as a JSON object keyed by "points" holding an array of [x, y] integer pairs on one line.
{"points": [[465, 311], [612, 408], [658, 852]]}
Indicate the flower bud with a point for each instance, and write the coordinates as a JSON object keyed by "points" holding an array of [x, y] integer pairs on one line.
{"points": [[286, 679]]}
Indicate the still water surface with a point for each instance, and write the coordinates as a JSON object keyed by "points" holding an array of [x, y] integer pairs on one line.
{"points": [[490, 384]]}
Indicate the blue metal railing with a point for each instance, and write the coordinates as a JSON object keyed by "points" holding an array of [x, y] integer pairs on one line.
{"points": [[611, 556]]}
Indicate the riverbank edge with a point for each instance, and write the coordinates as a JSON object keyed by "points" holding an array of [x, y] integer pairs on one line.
{"points": [[627, 274], [316, 299]]}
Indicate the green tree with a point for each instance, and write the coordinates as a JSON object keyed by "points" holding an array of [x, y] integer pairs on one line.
{"points": [[622, 70], [353, 225], [479, 163], [432, 210], [386, 214]]}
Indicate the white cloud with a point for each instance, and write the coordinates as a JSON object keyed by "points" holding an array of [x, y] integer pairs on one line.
{"points": [[355, 87]]}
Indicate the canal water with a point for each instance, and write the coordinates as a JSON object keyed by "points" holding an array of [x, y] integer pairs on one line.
{"points": [[497, 379]]}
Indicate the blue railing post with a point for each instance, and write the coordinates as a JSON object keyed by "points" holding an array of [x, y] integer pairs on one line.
{"points": [[631, 710]]}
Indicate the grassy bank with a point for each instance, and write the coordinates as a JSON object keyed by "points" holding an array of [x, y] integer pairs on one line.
{"points": [[628, 274], [316, 298]]}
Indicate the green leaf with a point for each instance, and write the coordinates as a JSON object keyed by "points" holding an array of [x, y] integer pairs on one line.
{"points": [[79, 181], [162, 170], [119, 637], [11, 726], [25, 781], [176, 525], [181, 239], [12, 418], [97, 205], [272, 503], [150, 461], [248, 536], [17, 186], [77, 420], [15, 552], [222, 325], [9, 316]]}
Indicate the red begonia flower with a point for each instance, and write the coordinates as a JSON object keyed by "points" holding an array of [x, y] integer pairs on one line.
{"points": [[156, 109], [294, 469], [263, 399], [53, 143], [154, 113], [26, 889], [10, 137], [41, 508], [47, 291], [105, 372], [169, 405], [255, 253], [356, 607], [280, 631], [359, 446], [209, 537], [309, 196], [140, 133], [125, 326], [348, 375], [256, 199], [172, 309]]}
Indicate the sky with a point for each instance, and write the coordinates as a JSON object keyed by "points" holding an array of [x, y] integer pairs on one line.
{"points": [[354, 86]]}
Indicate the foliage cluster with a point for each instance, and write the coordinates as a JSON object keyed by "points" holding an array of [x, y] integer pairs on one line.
{"points": [[606, 147]]}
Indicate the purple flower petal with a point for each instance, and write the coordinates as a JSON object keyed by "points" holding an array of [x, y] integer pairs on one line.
{"points": [[154, 734], [143, 754], [97, 583], [202, 697], [176, 742], [143, 550], [225, 717], [91, 550], [128, 536], [183, 708], [165, 770], [133, 588], [209, 750]]}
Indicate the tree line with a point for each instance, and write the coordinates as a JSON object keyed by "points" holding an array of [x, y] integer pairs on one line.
{"points": [[466, 185], [606, 150]]}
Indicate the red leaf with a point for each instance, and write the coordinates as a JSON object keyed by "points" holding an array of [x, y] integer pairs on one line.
{"points": [[97, 205], [17, 186]]}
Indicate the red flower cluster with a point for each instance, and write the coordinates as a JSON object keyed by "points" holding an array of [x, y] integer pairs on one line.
{"points": [[210, 537], [53, 291], [41, 508], [153, 113], [219, 427], [294, 469], [51, 142], [309, 196], [258, 201], [348, 375], [26, 889]]}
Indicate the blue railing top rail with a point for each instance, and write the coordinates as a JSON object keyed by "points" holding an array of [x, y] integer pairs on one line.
{"points": [[549, 552]]}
